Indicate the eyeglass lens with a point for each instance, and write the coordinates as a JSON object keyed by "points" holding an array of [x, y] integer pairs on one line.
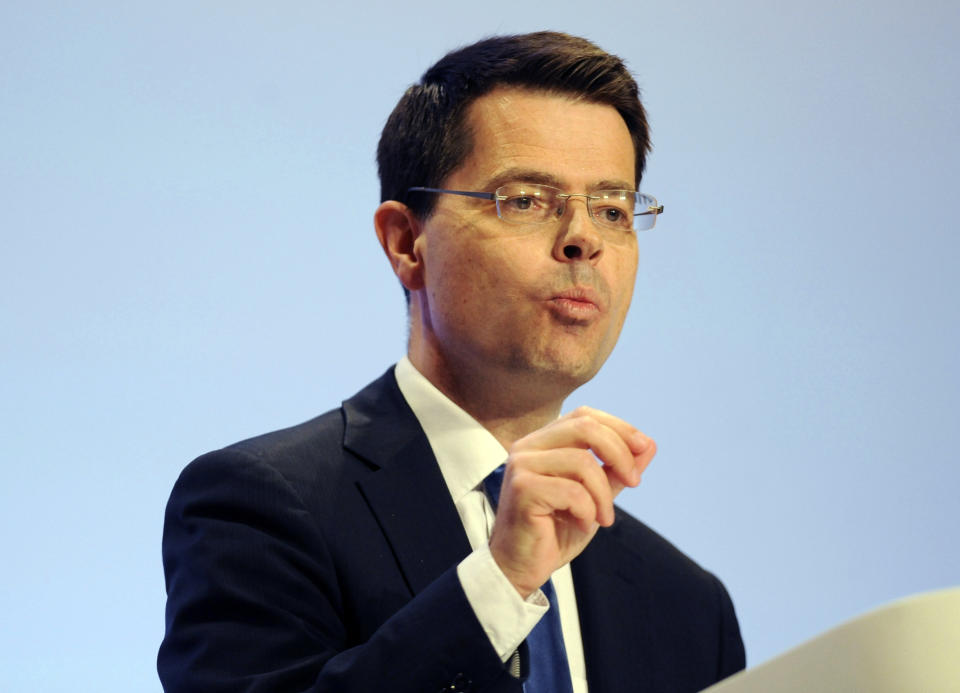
{"points": [[624, 210]]}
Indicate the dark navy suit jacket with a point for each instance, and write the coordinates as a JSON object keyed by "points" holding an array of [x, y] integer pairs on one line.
{"points": [[323, 558]]}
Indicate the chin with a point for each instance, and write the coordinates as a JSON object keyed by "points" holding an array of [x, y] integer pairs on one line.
{"points": [[568, 374], [559, 363]]}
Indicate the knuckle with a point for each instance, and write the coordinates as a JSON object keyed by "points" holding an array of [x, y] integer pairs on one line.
{"points": [[590, 472], [581, 498], [586, 459], [518, 459], [521, 482], [585, 426]]}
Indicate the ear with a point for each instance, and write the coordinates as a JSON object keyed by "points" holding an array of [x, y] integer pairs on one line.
{"points": [[398, 230]]}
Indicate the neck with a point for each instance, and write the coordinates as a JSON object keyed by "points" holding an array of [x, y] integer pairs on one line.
{"points": [[508, 404]]}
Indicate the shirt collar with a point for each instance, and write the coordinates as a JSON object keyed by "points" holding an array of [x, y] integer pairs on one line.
{"points": [[466, 452]]}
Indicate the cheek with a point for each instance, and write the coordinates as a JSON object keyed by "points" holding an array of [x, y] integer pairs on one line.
{"points": [[627, 291], [482, 265], [627, 273], [457, 283], [479, 290], [622, 283]]}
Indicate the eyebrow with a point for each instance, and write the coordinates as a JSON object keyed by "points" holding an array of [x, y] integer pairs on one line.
{"points": [[522, 175], [531, 175]]}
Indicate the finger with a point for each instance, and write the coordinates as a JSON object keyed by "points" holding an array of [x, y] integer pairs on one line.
{"points": [[525, 470], [539, 495], [583, 429], [635, 439], [642, 446], [644, 459], [641, 462]]}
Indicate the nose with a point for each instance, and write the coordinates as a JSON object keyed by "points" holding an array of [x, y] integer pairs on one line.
{"points": [[578, 238]]}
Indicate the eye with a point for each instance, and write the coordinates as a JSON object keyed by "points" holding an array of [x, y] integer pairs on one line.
{"points": [[527, 203], [521, 203], [613, 209], [614, 217]]}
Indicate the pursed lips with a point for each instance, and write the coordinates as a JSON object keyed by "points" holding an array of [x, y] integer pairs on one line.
{"points": [[579, 301]]}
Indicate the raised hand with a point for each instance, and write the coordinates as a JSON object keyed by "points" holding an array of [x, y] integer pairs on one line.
{"points": [[558, 489]]}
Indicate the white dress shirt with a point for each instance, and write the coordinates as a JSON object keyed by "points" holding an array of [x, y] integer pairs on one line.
{"points": [[467, 453]]}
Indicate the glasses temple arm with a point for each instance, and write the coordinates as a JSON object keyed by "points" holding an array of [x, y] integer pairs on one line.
{"points": [[465, 193]]}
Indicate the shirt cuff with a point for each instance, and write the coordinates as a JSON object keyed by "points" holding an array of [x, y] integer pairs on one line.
{"points": [[505, 616]]}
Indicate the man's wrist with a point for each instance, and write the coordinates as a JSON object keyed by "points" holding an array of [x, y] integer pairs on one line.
{"points": [[505, 616]]}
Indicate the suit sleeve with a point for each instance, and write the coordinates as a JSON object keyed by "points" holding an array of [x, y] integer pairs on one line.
{"points": [[254, 603]]}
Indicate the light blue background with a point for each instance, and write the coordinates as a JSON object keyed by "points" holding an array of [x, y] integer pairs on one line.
{"points": [[188, 259]]}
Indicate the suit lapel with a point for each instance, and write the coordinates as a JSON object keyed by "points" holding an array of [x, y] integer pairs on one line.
{"points": [[610, 581], [407, 493]]}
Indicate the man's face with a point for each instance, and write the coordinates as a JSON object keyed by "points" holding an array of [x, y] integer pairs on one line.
{"points": [[547, 300]]}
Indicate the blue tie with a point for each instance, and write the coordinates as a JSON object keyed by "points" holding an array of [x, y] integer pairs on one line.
{"points": [[549, 672]]}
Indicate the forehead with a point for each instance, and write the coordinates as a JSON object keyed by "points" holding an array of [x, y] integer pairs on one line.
{"points": [[578, 143]]}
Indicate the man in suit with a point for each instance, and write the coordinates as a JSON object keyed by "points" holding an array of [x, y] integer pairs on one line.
{"points": [[376, 547]]}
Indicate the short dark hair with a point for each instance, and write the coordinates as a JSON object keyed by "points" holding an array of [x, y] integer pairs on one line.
{"points": [[426, 137]]}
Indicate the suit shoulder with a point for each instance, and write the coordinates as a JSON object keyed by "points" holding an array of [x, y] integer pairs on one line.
{"points": [[311, 460], [307, 460], [288, 446], [655, 549]]}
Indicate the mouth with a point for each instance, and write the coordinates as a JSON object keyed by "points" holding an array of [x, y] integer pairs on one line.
{"points": [[579, 304]]}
